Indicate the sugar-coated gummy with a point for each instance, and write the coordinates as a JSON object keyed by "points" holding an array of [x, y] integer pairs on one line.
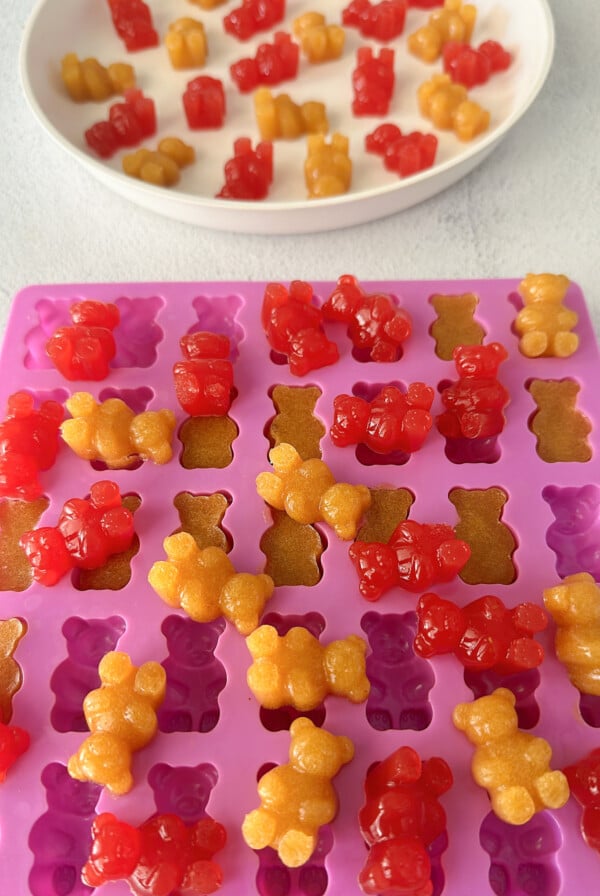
{"points": [[574, 604]]}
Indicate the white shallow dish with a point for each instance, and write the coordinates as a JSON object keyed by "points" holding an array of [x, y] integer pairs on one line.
{"points": [[57, 27]]}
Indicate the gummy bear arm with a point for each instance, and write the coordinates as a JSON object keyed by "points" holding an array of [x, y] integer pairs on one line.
{"points": [[151, 682], [529, 618], [270, 488]]}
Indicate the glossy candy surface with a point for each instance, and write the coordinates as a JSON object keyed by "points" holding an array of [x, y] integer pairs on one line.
{"points": [[84, 350], [128, 123], [204, 102], [253, 16], [405, 154], [584, 780], [373, 81], [271, 64], [294, 327], [204, 381], [392, 421], [28, 444], [248, 174], [382, 21], [133, 23]]}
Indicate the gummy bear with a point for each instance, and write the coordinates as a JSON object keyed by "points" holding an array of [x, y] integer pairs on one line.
{"points": [[84, 350], [584, 780], [133, 23], [279, 117], [204, 102], [392, 421], [294, 327], [253, 16], [162, 166], [127, 125], [405, 154], [482, 635], [320, 42], [204, 381], [455, 22], [13, 743], [470, 66], [249, 173], [373, 81], [574, 604], [88, 532], [416, 556], [328, 166], [186, 43], [272, 64], [377, 327], [382, 21], [544, 324], [401, 818], [88, 79], [28, 445], [448, 106], [159, 856]]}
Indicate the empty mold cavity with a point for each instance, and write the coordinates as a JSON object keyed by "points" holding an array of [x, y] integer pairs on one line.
{"points": [[364, 455], [281, 719], [201, 516], [11, 674], [218, 314], [388, 508], [295, 421], [60, 839], [137, 334], [183, 790], [195, 677], [560, 428], [292, 550], [87, 642], [17, 517], [207, 442], [311, 879], [455, 323], [116, 572], [136, 399], [522, 857], [52, 314], [522, 684], [574, 536], [589, 707], [400, 680], [491, 541]]}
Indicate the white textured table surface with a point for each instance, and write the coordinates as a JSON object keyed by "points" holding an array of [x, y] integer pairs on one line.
{"points": [[534, 204]]}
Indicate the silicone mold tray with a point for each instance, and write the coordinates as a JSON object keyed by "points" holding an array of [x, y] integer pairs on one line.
{"points": [[214, 741]]}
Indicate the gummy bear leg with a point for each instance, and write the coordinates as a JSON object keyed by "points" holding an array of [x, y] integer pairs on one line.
{"points": [[259, 829], [534, 344], [295, 848], [514, 805], [565, 344], [552, 789]]}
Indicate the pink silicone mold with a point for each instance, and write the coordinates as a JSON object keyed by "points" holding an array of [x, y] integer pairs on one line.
{"points": [[213, 738]]}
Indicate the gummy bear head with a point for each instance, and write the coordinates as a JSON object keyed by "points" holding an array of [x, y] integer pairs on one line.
{"points": [[190, 643], [315, 751], [479, 360], [182, 790], [488, 719]]}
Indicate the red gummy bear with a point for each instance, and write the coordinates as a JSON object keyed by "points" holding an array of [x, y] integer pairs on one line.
{"points": [[470, 66], [483, 635], [294, 327], [13, 743], [204, 102], [253, 16], [84, 351], [375, 324], [405, 154], [373, 81], [204, 381], [248, 175], [392, 421], [474, 404], [383, 21], [272, 64], [584, 781], [133, 23], [129, 122], [159, 856], [416, 556], [401, 817], [28, 444], [88, 532]]}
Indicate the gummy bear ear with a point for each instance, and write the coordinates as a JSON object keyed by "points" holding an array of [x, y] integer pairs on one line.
{"points": [[506, 695], [461, 716], [299, 725]]}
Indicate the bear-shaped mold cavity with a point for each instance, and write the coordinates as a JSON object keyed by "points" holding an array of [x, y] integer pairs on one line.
{"points": [[281, 719], [202, 515], [522, 857], [60, 839], [195, 677], [207, 442], [137, 399], [574, 536], [52, 314], [522, 684], [400, 680], [218, 314], [561, 429], [116, 572], [388, 508], [16, 518], [455, 323], [295, 422], [274, 879], [292, 550], [87, 642], [491, 541], [183, 790], [137, 335]]}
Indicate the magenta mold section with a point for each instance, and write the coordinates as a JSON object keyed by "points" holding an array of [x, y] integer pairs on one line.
{"points": [[212, 735], [522, 684]]}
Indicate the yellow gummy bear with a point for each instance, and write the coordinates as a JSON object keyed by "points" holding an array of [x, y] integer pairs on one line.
{"points": [[455, 22], [575, 607], [88, 79], [186, 43], [448, 106], [545, 323], [320, 42], [279, 117]]}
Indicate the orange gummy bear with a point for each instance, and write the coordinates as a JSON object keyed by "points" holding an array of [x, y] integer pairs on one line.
{"points": [[298, 798], [160, 167], [296, 670], [308, 492], [447, 105], [121, 716], [88, 79], [512, 765], [279, 117], [111, 432], [545, 324], [575, 607], [454, 22], [186, 43], [205, 585], [328, 167], [320, 42]]}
